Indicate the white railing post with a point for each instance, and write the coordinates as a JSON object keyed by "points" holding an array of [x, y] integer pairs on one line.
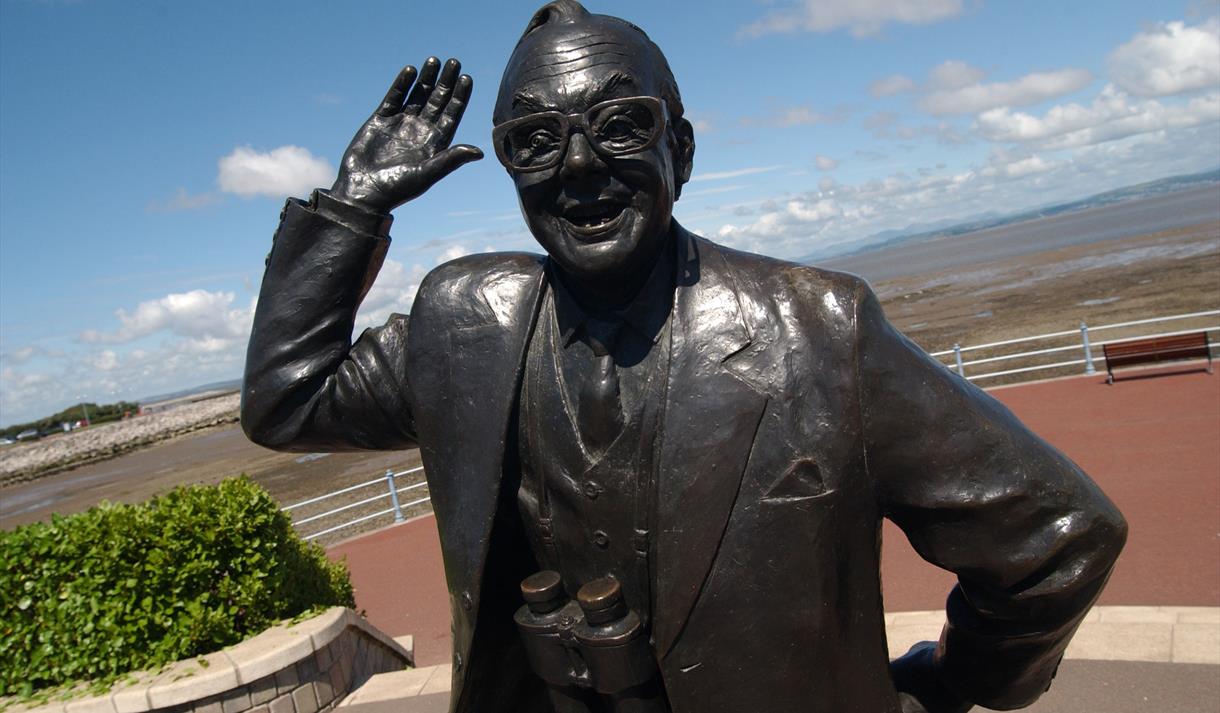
{"points": [[389, 476], [1088, 351], [957, 355]]}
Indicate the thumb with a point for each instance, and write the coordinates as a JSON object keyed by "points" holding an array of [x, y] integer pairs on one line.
{"points": [[449, 160]]}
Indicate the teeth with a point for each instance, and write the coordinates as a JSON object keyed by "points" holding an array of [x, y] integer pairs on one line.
{"points": [[595, 220]]}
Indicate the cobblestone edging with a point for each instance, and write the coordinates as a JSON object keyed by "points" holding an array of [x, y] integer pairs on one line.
{"points": [[304, 668]]}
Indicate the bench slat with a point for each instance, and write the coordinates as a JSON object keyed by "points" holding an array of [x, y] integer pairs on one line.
{"points": [[1155, 350]]}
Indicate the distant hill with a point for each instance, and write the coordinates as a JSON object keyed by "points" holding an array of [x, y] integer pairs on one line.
{"points": [[230, 385], [949, 228]]}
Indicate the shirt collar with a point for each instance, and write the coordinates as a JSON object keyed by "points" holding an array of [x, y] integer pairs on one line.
{"points": [[640, 315]]}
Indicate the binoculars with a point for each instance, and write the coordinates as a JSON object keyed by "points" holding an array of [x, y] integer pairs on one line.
{"points": [[594, 645]]}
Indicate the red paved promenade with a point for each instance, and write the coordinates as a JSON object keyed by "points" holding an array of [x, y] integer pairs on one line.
{"points": [[1152, 441]]}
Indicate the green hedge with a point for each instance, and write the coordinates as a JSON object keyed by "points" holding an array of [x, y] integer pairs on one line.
{"points": [[127, 587]]}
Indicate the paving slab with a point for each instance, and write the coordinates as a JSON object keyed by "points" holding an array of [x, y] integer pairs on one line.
{"points": [[1080, 687], [1131, 687]]}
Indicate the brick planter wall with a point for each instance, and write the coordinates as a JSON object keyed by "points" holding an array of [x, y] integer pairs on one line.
{"points": [[304, 668]]}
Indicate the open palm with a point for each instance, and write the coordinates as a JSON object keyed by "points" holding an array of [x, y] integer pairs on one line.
{"points": [[403, 148]]}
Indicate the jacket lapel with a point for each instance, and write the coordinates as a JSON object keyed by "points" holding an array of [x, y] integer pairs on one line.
{"points": [[711, 418], [467, 352]]}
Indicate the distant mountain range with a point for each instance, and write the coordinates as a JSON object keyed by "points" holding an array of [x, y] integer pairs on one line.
{"points": [[947, 228]]}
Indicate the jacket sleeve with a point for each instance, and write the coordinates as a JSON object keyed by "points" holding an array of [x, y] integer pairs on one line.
{"points": [[307, 387], [1030, 537]]}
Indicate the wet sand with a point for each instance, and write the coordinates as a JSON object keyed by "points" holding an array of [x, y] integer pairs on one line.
{"points": [[1165, 273]]}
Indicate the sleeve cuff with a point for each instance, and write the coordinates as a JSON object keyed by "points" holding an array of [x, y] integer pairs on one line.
{"points": [[357, 218]]}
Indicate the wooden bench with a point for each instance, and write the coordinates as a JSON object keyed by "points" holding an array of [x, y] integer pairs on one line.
{"points": [[1156, 350]]}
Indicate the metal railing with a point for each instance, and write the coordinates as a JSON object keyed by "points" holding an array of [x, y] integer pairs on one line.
{"points": [[1084, 346], [392, 492]]}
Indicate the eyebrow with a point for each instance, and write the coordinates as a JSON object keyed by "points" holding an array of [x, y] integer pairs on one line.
{"points": [[608, 84]]}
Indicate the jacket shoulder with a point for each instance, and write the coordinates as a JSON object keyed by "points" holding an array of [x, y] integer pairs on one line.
{"points": [[473, 282], [829, 294]]}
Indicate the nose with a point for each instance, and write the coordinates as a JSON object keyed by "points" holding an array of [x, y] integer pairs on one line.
{"points": [[581, 159]]}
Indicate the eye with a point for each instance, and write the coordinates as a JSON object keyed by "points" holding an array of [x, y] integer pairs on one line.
{"points": [[533, 144], [620, 127], [541, 139], [623, 128]]}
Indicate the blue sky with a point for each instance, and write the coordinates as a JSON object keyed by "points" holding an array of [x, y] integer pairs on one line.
{"points": [[146, 147]]}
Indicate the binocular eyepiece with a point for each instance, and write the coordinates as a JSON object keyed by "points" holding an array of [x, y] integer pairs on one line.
{"points": [[596, 643]]}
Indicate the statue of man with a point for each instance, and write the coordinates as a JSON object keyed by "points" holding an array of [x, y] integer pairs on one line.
{"points": [[718, 433]]}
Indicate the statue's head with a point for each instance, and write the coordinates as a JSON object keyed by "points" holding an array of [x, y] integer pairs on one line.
{"points": [[589, 124]]}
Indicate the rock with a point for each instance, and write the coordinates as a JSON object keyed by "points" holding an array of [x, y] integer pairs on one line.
{"points": [[30, 460]]}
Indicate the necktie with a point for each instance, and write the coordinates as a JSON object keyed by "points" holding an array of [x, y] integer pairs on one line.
{"points": [[598, 408]]}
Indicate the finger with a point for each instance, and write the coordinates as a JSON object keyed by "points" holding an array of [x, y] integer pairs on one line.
{"points": [[423, 86], [452, 115], [392, 103], [450, 160], [444, 88]]}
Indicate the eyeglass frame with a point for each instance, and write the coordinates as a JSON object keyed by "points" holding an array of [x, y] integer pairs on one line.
{"points": [[571, 122]]}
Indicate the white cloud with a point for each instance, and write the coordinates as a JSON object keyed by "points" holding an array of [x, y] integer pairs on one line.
{"points": [[176, 341], [838, 214], [709, 191], [394, 291], [453, 252], [891, 85], [202, 338], [701, 122], [106, 360], [182, 200], [280, 172], [825, 163], [885, 125], [954, 74], [194, 314], [1169, 59], [720, 175], [1112, 115], [1004, 165], [957, 97], [19, 356], [798, 115], [863, 18]]}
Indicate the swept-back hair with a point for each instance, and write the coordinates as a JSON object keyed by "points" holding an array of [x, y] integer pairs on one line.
{"points": [[571, 12]]}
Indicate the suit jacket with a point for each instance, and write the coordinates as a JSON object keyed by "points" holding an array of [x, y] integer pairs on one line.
{"points": [[796, 418]]}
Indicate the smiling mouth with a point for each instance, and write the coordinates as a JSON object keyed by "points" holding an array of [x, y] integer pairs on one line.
{"points": [[596, 220]]}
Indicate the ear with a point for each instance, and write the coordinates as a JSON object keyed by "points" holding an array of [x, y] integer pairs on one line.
{"points": [[683, 154]]}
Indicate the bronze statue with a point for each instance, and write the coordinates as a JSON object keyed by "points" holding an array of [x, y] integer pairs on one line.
{"points": [[658, 465]]}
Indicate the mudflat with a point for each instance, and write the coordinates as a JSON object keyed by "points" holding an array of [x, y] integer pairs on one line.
{"points": [[203, 457], [1164, 273], [1131, 277]]}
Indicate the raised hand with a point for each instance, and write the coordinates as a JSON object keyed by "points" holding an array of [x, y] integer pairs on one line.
{"points": [[403, 148]]}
